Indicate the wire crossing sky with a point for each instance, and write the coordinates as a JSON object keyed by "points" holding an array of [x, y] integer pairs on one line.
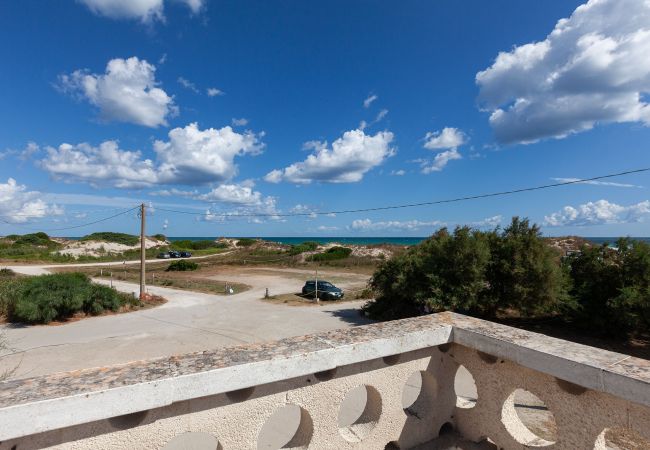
{"points": [[267, 118]]}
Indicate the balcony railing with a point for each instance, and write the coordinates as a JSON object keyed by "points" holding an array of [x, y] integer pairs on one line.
{"points": [[416, 383]]}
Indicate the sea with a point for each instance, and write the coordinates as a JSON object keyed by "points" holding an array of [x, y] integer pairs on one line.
{"points": [[369, 240]]}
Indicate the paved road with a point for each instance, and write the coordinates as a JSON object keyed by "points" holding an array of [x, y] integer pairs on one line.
{"points": [[189, 321]]}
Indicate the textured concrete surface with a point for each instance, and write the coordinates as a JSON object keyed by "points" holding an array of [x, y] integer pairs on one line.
{"points": [[188, 322], [233, 394]]}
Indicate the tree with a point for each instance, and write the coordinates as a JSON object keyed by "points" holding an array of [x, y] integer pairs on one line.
{"points": [[472, 272]]}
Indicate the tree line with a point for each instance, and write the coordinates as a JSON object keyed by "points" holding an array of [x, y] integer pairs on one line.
{"points": [[514, 271]]}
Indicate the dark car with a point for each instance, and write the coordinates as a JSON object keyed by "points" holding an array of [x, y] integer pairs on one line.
{"points": [[163, 255], [174, 254], [186, 255], [326, 290]]}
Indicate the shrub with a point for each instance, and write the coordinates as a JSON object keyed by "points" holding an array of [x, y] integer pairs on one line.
{"points": [[182, 266], [7, 273], [331, 254], [45, 298], [109, 236], [160, 237], [34, 239], [308, 246], [472, 272], [611, 287], [245, 242]]}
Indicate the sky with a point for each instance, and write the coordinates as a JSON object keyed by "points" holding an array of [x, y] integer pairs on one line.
{"points": [[226, 117]]}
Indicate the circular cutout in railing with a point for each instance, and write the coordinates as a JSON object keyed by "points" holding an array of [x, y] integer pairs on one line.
{"points": [[194, 441], [359, 413], [528, 420], [621, 438], [418, 394], [288, 427], [465, 388]]}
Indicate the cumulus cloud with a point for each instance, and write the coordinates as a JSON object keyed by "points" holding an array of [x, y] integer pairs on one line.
{"points": [[448, 139], [595, 182], [409, 225], [347, 161], [18, 205], [236, 194], [598, 213], [369, 100], [145, 10], [126, 92], [592, 68], [191, 157], [214, 92]]}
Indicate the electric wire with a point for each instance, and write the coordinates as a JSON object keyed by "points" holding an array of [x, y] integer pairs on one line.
{"points": [[412, 205], [78, 226]]}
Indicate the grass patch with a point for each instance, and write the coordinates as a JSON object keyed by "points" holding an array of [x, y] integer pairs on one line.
{"points": [[109, 236]]}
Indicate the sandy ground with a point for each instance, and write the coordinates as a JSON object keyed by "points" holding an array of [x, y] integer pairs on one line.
{"points": [[188, 322]]}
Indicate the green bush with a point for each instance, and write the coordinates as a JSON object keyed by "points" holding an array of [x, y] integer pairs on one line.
{"points": [[109, 236], [160, 237], [7, 273], [611, 287], [182, 266], [245, 242], [45, 298], [331, 254], [307, 246], [472, 272], [34, 239]]}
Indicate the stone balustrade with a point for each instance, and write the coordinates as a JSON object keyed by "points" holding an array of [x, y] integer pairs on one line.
{"points": [[414, 383]]}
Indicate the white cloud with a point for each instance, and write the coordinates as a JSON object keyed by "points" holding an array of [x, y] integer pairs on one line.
{"points": [[191, 157], [188, 84], [380, 116], [409, 225], [145, 10], [253, 213], [127, 92], [441, 160], [18, 205], [165, 224], [233, 194], [592, 68], [239, 122], [596, 182], [105, 164], [448, 139], [327, 228], [214, 92], [349, 159], [369, 100], [598, 213], [398, 173], [489, 222], [194, 156]]}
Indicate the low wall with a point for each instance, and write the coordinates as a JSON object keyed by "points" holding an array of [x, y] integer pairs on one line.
{"points": [[393, 385]]}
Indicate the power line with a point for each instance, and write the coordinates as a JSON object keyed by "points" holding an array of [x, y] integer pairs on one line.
{"points": [[412, 205], [76, 226]]}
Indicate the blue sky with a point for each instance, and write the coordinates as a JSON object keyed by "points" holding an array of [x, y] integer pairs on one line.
{"points": [[271, 107]]}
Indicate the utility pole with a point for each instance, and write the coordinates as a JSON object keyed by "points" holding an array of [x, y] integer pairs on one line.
{"points": [[316, 284], [143, 251]]}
